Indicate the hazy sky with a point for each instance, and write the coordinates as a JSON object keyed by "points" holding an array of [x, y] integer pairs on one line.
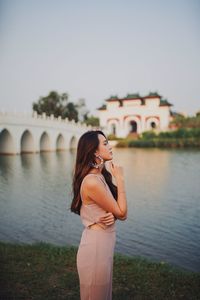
{"points": [[94, 49]]}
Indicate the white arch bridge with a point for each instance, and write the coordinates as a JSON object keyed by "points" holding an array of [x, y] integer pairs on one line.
{"points": [[32, 133]]}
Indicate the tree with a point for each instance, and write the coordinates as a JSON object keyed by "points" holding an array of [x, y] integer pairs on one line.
{"points": [[82, 110], [57, 105], [71, 112], [93, 121], [186, 122]]}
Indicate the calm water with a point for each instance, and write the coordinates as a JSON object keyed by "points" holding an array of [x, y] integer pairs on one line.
{"points": [[163, 189]]}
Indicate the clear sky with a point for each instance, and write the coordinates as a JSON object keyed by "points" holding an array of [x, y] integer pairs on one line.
{"points": [[95, 49]]}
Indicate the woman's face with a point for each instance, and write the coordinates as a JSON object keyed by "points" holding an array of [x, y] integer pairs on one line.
{"points": [[104, 149]]}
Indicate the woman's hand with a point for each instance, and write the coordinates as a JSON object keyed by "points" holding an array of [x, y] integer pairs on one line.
{"points": [[116, 171], [107, 219]]}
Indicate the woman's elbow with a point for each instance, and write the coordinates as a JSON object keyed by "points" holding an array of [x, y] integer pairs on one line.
{"points": [[122, 216]]}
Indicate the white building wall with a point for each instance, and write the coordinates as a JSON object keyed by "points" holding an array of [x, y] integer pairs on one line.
{"points": [[143, 115]]}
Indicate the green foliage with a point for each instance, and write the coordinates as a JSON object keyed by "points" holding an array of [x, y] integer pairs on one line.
{"points": [[123, 143], [183, 137], [70, 112], [167, 143], [186, 122], [56, 104], [148, 135], [112, 137], [93, 121], [181, 133], [142, 143]]}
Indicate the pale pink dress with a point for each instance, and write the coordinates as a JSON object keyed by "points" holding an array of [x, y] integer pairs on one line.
{"points": [[95, 255]]}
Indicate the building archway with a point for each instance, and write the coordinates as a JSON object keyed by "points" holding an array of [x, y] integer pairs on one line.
{"points": [[7, 145], [152, 123], [113, 129], [133, 126], [60, 143], [27, 143], [113, 126], [44, 142]]}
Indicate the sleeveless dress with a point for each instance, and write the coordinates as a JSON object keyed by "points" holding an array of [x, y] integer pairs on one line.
{"points": [[95, 254]]}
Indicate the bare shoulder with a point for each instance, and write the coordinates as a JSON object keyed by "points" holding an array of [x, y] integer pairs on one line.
{"points": [[91, 181]]}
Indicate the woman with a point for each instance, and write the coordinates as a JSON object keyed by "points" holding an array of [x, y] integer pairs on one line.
{"points": [[99, 202]]}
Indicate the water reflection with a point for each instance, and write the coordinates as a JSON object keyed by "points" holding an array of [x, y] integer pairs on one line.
{"points": [[27, 161], [6, 167], [163, 199], [145, 170]]}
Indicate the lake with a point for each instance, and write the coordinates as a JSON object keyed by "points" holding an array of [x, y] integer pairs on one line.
{"points": [[163, 193]]}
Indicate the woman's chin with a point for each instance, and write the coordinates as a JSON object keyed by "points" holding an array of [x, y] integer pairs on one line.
{"points": [[111, 157]]}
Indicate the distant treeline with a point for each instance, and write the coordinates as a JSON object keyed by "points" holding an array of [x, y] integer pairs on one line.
{"points": [[186, 122], [183, 137]]}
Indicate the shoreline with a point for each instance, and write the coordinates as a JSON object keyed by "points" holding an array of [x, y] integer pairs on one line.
{"points": [[44, 271], [180, 138], [157, 143]]}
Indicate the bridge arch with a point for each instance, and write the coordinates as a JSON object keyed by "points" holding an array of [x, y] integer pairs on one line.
{"points": [[7, 145], [44, 142], [30, 132], [27, 142], [73, 142], [60, 143]]}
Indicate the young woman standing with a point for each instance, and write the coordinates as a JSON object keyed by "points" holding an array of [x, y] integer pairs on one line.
{"points": [[99, 203]]}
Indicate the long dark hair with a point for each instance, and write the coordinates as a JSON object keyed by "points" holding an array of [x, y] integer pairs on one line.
{"points": [[87, 146]]}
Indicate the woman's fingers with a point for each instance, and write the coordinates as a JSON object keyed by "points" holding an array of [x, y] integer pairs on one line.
{"points": [[107, 219], [115, 169], [107, 216]]}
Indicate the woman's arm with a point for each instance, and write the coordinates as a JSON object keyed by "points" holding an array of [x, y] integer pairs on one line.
{"points": [[96, 191]]}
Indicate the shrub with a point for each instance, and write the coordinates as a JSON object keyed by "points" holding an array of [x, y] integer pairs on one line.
{"points": [[149, 135], [122, 143], [142, 143], [111, 137], [181, 133]]}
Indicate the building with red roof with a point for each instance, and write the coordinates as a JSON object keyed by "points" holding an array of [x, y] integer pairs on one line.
{"points": [[134, 114]]}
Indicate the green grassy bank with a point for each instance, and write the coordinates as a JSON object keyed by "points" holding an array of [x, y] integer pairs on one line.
{"points": [[43, 272]]}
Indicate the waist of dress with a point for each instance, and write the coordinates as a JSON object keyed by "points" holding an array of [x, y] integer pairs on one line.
{"points": [[98, 227]]}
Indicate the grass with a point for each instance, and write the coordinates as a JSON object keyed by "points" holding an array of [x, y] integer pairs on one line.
{"points": [[44, 272]]}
